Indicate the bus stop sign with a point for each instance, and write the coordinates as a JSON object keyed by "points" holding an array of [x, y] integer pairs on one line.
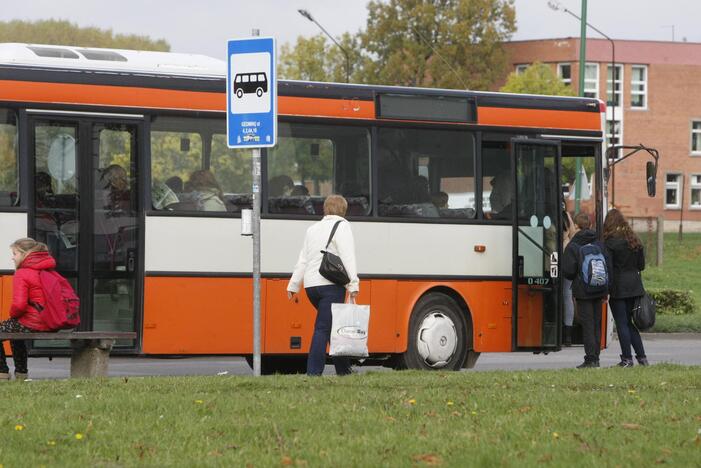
{"points": [[251, 93]]}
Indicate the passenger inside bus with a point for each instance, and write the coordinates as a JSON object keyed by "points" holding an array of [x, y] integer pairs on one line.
{"points": [[440, 200], [115, 184], [205, 192], [280, 186], [500, 197], [43, 189]]}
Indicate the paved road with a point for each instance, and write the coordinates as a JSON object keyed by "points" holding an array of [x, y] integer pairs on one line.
{"points": [[677, 348]]}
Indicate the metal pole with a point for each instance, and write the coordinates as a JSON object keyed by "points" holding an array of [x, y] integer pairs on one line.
{"points": [[256, 261], [582, 65], [660, 240], [256, 184], [681, 209]]}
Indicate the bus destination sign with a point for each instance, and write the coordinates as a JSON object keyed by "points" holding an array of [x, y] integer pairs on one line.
{"points": [[251, 93]]}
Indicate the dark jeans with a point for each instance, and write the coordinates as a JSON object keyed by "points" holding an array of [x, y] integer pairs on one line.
{"points": [[321, 298], [19, 348], [590, 317], [627, 333]]}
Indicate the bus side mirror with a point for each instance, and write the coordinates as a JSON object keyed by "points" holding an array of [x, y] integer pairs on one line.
{"points": [[651, 178]]}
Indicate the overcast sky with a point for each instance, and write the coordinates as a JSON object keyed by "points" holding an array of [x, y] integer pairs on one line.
{"points": [[204, 26]]}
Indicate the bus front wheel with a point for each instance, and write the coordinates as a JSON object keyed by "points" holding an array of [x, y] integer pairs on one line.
{"points": [[437, 335], [239, 93]]}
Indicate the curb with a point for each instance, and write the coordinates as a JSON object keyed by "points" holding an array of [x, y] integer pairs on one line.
{"points": [[672, 336]]}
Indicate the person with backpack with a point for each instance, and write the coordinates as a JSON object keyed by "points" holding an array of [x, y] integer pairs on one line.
{"points": [[586, 264], [29, 257], [628, 260]]}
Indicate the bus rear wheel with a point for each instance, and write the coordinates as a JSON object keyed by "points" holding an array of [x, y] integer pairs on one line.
{"points": [[259, 92], [437, 335]]}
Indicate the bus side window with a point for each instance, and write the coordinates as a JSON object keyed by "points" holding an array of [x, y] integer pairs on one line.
{"points": [[426, 173], [496, 180], [9, 168], [311, 162]]}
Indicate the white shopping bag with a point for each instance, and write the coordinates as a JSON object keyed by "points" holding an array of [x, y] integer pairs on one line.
{"points": [[349, 330]]}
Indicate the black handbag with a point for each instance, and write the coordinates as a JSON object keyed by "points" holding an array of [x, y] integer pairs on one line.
{"points": [[331, 266], [644, 312]]}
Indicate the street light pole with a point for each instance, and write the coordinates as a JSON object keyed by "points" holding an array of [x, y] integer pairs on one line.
{"points": [[555, 5], [308, 15]]}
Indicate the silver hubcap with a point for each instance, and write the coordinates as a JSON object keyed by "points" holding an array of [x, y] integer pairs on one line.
{"points": [[437, 339]]}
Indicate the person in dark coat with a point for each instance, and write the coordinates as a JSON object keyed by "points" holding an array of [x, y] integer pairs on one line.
{"points": [[588, 305], [628, 258]]}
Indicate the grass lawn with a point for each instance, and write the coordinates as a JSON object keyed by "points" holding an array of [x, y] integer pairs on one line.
{"points": [[602, 417], [681, 269]]}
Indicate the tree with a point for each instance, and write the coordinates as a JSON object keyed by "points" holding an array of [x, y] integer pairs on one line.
{"points": [[317, 59], [61, 32], [437, 43], [433, 43], [538, 78]]}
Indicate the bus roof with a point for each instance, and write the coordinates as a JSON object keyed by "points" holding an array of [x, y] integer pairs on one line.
{"points": [[118, 60]]}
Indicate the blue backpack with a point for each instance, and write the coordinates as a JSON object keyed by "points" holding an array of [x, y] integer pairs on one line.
{"points": [[593, 269]]}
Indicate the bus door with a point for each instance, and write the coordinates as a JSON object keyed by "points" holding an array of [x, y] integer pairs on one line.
{"points": [[85, 207], [536, 224]]}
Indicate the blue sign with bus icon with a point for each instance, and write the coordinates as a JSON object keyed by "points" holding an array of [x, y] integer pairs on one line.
{"points": [[251, 92]]}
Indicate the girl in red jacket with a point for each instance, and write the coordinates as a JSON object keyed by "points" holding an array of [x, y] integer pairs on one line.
{"points": [[30, 257]]}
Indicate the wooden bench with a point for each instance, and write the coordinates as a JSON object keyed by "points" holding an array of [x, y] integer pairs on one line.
{"points": [[91, 349]]}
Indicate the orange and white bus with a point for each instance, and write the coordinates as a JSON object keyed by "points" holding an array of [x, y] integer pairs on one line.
{"points": [[118, 161]]}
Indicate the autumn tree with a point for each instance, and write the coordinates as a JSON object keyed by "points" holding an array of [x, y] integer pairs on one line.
{"points": [[437, 43], [433, 43], [319, 59], [61, 32], [538, 78]]}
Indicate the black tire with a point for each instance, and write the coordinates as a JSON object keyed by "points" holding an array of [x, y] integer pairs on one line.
{"points": [[259, 92], [438, 338], [239, 93], [270, 365]]}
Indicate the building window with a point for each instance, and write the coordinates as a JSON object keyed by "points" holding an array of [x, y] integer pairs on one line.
{"points": [[695, 191], [614, 134], [564, 71], [672, 191], [521, 68], [591, 80], [614, 85], [638, 87], [696, 137]]}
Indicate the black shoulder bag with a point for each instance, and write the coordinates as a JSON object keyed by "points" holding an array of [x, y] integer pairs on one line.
{"points": [[644, 312], [331, 266]]}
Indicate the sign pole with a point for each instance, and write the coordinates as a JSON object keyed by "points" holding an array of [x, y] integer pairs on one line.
{"points": [[251, 123], [256, 260]]}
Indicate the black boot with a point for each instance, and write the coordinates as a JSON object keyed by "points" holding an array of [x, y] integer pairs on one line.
{"points": [[642, 361], [567, 336]]}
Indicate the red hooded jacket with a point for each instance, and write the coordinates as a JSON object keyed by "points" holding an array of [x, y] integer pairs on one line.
{"points": [[26, 289]]}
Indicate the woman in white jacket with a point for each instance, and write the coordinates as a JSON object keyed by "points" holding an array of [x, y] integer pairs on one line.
{"points": [[320, 291]]}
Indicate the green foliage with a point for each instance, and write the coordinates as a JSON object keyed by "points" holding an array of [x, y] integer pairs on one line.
{"points": [[433, 43], [681, 270], [673, 301], [63, 32], [317, 59], [538, 78], [8, 157], [558, 418], [437, 43]]}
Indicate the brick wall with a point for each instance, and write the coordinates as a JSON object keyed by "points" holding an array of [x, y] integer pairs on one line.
{"points": [[673, 101]]}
